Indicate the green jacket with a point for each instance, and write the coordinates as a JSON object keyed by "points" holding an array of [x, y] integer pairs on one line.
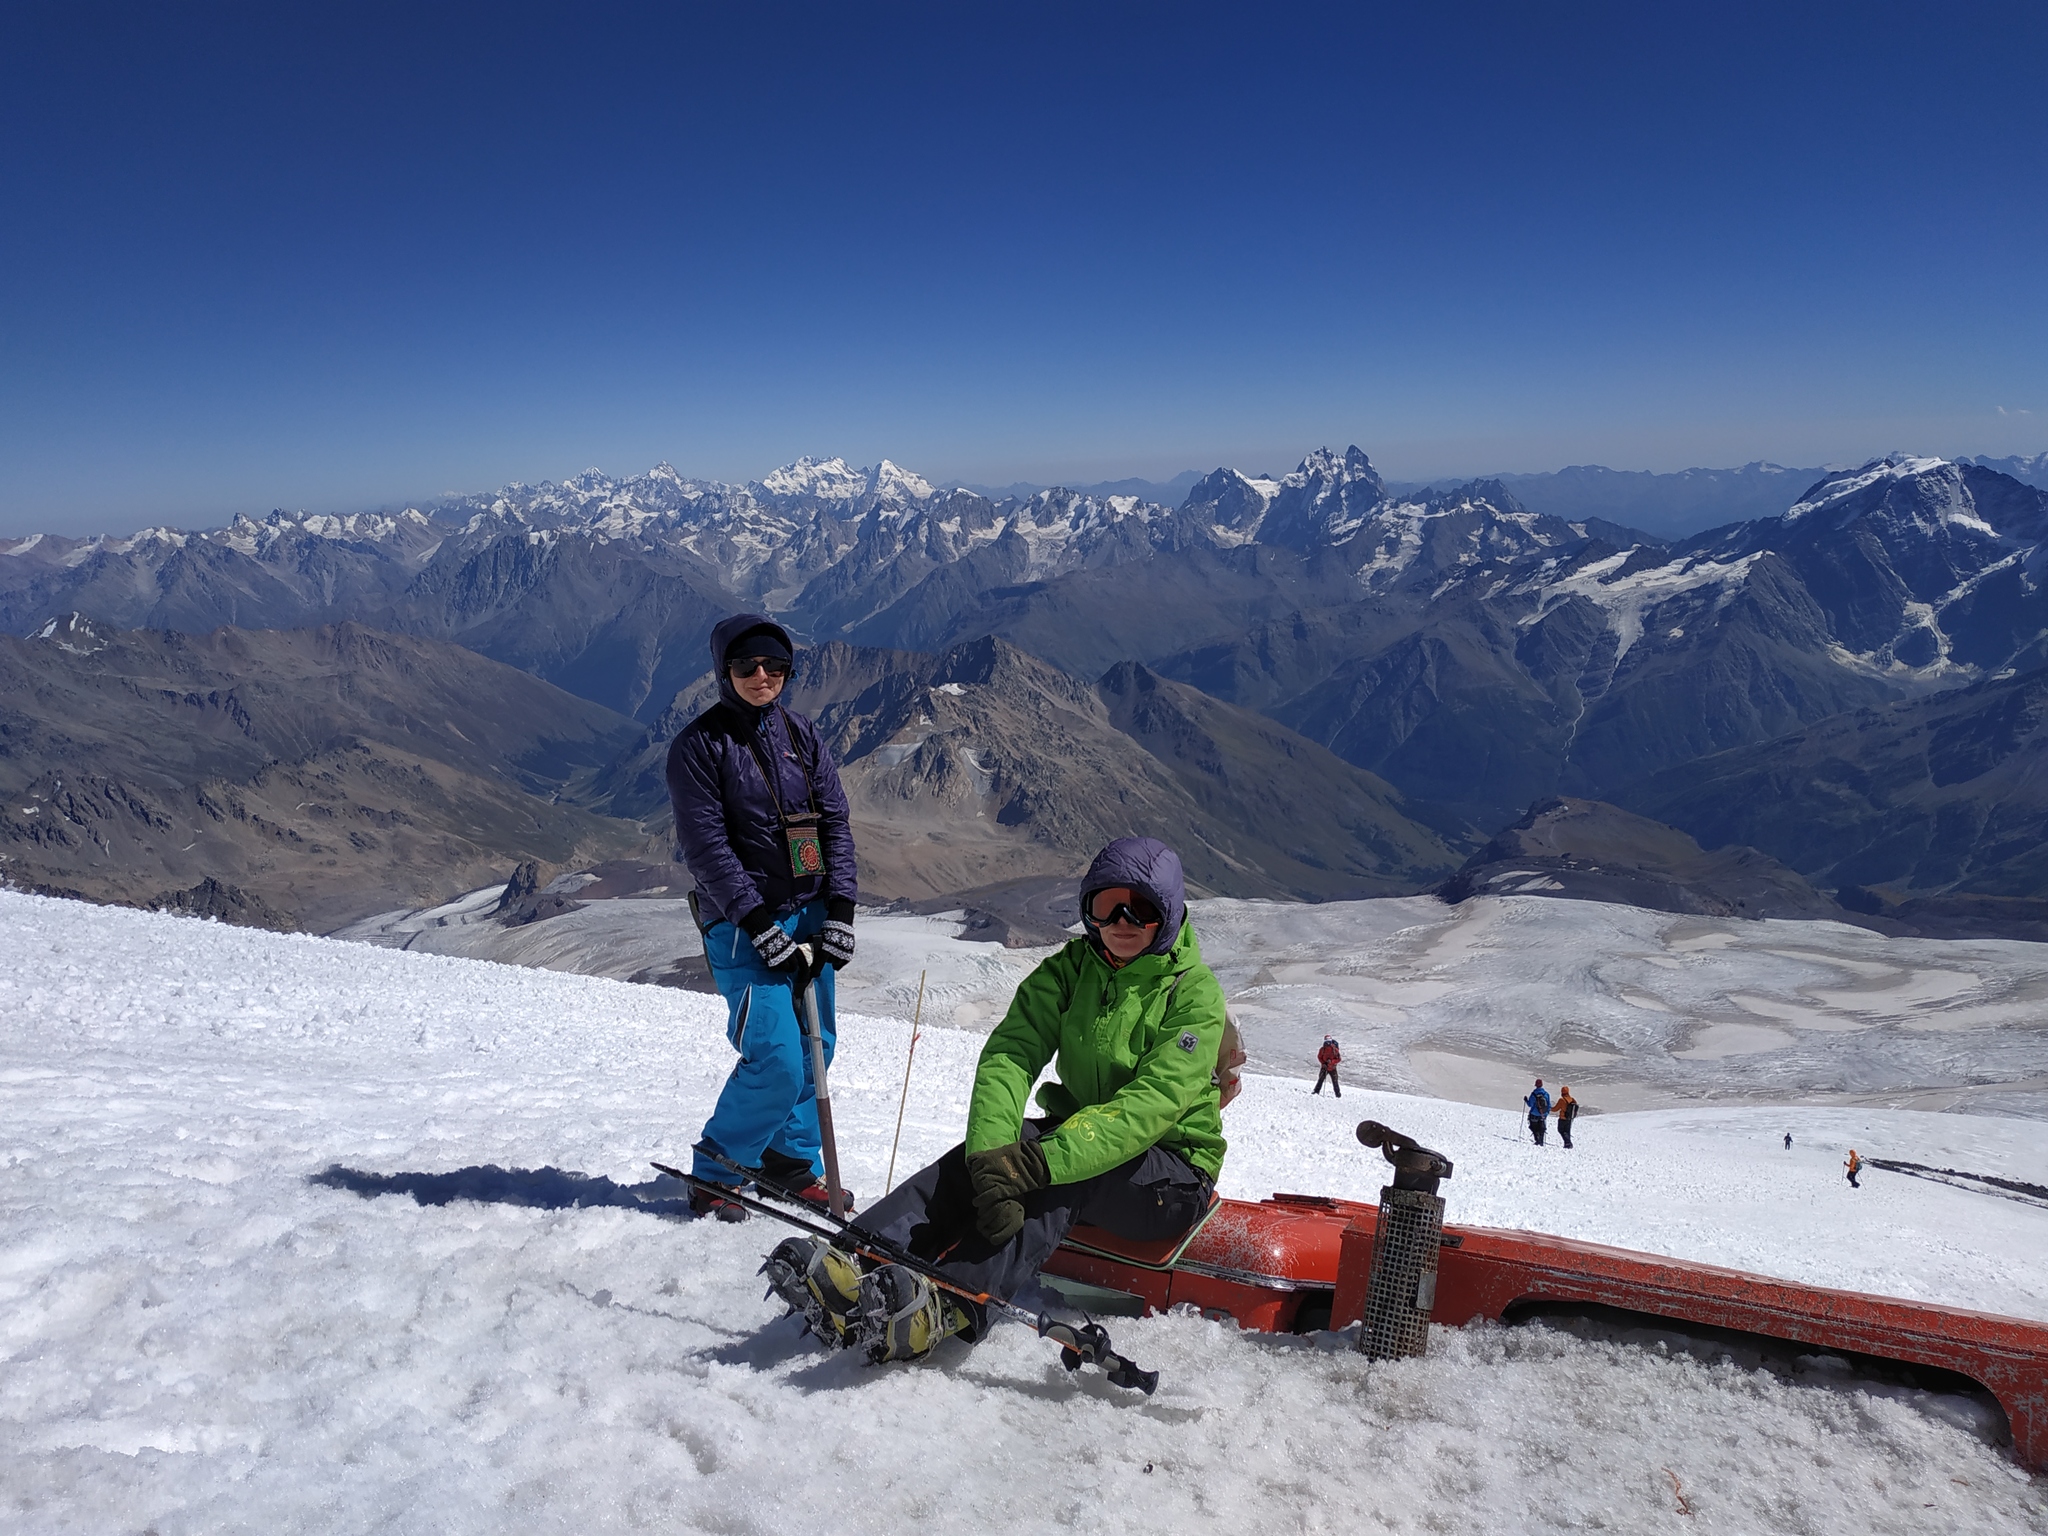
{"points": [[1134, 1067]]}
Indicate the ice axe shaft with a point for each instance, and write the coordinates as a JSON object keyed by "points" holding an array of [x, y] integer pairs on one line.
{"points": [[815, 1033]]}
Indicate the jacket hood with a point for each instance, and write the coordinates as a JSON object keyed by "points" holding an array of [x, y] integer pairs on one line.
{"points": [[722, 637], [1151, 869]]}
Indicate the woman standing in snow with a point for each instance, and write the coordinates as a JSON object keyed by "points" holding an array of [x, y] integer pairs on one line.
{"points": [[762, 823], [1131, 1139], [1855, 1166]]}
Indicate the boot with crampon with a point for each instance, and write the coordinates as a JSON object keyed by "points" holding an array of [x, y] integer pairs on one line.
{"points": [[903, 1316], [819, 1283]]}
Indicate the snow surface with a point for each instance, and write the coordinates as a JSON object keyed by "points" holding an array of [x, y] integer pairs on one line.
{"points": [[306, 1235], [1645, 1009]]}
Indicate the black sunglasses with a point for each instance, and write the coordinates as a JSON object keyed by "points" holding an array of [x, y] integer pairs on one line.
{"points": [[1138, 912], [752, 664]]}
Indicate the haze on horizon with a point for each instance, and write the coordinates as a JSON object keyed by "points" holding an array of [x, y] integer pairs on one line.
{"points": [[347, 257]]}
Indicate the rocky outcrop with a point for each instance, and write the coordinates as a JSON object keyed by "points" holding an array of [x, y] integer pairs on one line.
{"points": [[224, 904], [1585, 850]]}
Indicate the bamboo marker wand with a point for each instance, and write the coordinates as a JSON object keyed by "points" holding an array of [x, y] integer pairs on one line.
{"points": [[916, 1019]]}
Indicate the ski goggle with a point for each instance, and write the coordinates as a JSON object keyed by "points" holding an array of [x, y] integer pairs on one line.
{"points": [[749, 665], [1138, 912]]}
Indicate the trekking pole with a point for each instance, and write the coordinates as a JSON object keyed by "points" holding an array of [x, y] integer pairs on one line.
{"points": [[1085, 1343], [916, 1018], [807, 1014]]}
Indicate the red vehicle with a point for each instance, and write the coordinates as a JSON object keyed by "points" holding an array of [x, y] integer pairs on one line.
{"points": [[1295, 1263]]}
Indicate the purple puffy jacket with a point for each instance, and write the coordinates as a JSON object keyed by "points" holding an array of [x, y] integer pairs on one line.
{"points": [[727, 826]]}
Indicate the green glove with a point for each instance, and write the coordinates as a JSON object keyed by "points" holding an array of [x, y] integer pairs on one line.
{"points": [[1001, 1177]]}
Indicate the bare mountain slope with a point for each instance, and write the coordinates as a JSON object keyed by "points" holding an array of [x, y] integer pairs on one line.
{"points": [[1928, 801], [983, 764], [328, 772]]}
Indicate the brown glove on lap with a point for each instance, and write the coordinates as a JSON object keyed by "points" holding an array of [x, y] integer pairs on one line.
{"points": [[1001, 1177]]}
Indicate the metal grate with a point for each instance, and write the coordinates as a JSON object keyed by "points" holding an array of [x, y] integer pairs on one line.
{"points": [[1403, 1284]]}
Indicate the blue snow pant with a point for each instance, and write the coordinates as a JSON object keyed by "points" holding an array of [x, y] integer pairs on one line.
{"points": [[769, 1103]]}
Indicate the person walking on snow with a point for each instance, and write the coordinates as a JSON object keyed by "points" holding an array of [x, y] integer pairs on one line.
{"points": [[1329, 1056], [1539, 1110], [1130, 1138], [762, 822], [1855, 1166], [1567, 1112]]}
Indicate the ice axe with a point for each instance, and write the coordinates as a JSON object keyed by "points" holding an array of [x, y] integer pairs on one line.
{"points": [[814, 963]]}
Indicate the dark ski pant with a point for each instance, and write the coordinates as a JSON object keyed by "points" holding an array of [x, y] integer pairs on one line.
{"points": [[1155, 1195], [1852, 1179], [1564, 1131], [1329, 1073], [1536, 1128]]}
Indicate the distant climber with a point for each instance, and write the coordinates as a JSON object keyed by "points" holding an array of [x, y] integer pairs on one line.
{"points": [[1855, 1166], [1567, 1112], [1329, 1056], [1539, 1111], [1788, 1141]]}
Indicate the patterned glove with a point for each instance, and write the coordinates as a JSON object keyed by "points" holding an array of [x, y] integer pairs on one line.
{"points": [[837, 942], [776, 948]]}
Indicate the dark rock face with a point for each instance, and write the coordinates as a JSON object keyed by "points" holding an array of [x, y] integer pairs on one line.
{"points": [[1588, 851], [524, 901], [224, 904]]}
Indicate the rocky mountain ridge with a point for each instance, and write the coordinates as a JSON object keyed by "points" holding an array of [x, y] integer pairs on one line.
{"points": [[983, 764]]}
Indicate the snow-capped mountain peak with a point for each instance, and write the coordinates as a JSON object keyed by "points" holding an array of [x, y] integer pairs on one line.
{"points": [[830, 479], [1837, 488], [891, 481], [834, 480]]}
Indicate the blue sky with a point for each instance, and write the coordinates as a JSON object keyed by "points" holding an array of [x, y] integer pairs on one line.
{"points": [[349, 255]]}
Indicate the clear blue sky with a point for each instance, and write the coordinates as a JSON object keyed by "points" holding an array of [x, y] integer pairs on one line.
{"points": [[340, 256]]}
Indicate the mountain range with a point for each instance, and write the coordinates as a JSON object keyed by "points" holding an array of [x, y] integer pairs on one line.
{"points": [[1471, 652]]}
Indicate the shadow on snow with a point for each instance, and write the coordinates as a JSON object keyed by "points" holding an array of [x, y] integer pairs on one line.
{"points": [[548, 1189]]}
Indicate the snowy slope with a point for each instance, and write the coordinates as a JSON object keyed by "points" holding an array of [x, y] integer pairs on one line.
{"points": [[220, 1309], [1636, 1009]]}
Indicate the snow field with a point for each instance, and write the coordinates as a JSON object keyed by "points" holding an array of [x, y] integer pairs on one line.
{"points": [[1637, 1009], [202, 1327]]}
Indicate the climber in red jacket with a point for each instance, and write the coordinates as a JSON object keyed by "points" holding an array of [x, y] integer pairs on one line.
{"points": [[1329, 1056]]}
